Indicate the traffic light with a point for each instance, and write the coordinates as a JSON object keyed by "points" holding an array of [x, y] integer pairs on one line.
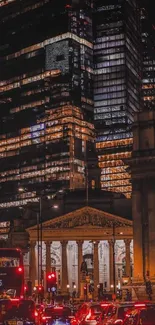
{"points": [[51, 282], [40, 290], [28, 288], [85, 290], [25, 290]]}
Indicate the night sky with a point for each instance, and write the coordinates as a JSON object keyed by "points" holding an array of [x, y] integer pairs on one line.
{"points": [[151, 9]]}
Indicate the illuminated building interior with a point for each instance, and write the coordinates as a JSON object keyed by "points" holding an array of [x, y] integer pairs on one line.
{"points": [[61, 62], [114, 170], [117, 80], [148, 82], [61, 137], [46, 97]]}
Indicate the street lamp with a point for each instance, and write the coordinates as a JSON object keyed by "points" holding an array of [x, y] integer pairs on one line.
{"points": [[39, 231]]}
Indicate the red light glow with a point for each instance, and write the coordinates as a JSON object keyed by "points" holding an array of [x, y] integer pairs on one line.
{"points": [[140, 305], [15, 299], [104, 305], [53, 275], [45, 317], [20, 269], [118, 321]]}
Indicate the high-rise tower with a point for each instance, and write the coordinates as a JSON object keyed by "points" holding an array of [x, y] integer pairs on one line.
{"points": [[46, 98], [117, 87], [148, 50]]}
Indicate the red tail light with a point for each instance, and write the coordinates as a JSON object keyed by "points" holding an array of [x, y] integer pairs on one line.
{"points": [[35, 313], [45, 317], [14, 299], [118, 321], [104, 305], [20, 269], [140, 305]]}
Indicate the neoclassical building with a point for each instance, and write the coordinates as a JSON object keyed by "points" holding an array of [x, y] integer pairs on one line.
{"points": [[103, 240]]}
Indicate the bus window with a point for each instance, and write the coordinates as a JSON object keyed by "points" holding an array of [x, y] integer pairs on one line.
{"points": [[9, 262]]}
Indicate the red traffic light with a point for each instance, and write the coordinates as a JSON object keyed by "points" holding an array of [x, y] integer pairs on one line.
{"points": [[51, 276], [40, 288], [25, 288]]}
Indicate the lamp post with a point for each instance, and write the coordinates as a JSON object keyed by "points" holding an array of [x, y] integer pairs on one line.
{"points": [[39, 234], [114, 269]]}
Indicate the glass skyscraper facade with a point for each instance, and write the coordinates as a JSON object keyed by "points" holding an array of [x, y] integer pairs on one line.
{"points": [[117, 87], [148, 50], [65, 66], [46, 97]]}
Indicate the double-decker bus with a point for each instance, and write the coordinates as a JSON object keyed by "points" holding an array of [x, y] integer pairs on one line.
{"points": [[11, 272]]}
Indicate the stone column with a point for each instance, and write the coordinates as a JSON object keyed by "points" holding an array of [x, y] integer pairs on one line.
{"points": [[48, 257], [80, 260], [32, 261], [64, 273], [151, 233], [111, 261], [137, 205], [127, 258], [96, 269]]}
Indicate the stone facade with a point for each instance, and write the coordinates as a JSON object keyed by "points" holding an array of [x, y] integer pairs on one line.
{"points": [[88, 234]]}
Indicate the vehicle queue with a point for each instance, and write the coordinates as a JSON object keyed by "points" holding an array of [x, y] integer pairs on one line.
{"points": [[26, 312]]}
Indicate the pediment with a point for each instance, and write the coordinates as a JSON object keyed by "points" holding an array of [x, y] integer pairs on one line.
{"points": [[86, 217]]}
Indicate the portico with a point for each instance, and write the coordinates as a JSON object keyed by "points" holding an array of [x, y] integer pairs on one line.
{"points": [[98, 237]]}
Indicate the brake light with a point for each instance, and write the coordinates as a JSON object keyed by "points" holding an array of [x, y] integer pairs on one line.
{"points": [[15, 299], [118, 321], [140, 305], [45, 317], [104, 305], [35, 313], [20, 269], [58, 307]]}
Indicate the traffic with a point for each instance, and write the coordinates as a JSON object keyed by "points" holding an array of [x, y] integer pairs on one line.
{"points": [[27, 312], [20, 304]]}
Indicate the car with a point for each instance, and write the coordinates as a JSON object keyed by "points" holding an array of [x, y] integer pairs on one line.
{"points": [[89, 314], [116, 313], [5, 307], [27, 309], [22, 313], [141, 314], [53, 315]]}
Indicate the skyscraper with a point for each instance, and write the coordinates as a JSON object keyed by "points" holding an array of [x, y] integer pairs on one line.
{"points": [[46, 97], [117, 87], [148, 50]]}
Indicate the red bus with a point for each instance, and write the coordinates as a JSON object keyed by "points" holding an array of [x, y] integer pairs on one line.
{"points": [[11, 272]]}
